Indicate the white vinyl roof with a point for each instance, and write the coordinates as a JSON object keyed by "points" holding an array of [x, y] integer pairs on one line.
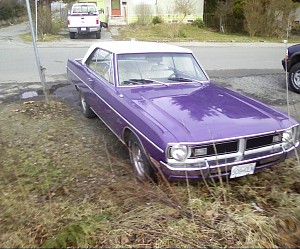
{"points": [[131, 47]]}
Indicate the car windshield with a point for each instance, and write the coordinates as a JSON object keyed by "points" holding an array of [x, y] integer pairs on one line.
{"points": [[158, 68]]}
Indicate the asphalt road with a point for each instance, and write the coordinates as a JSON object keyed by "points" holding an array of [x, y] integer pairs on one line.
{"points": [[253, 69], [18, 64]]}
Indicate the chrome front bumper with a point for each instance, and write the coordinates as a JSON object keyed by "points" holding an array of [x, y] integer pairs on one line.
{"points": [[216, 166]]}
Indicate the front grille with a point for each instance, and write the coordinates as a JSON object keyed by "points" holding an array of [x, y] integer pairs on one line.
{"points": [[217, 149], [261, 141], [234, 146]]}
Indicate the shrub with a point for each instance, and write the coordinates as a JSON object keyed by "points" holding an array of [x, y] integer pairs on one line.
{"points": [[9, 11], [182, 33], [18, 9], [144, 14], [198, 23], [175, 30], [57, 25], [48, 25], [6, 12], [44, 21], [157, 20]]}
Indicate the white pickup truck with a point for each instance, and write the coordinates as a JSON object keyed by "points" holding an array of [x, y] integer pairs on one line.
{"points": [[84, 19]]}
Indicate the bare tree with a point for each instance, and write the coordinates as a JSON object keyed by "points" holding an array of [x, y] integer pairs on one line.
{"points": [[254, 16], [184, 7], [144, 13], [280, 15], [223, 9], [267, 18]]}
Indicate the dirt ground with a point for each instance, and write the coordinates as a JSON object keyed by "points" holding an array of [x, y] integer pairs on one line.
{"points": [[66, 181]]}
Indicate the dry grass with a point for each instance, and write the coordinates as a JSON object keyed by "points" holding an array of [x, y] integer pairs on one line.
{"points": [[46, 38], [177, 32], [66, 182]]}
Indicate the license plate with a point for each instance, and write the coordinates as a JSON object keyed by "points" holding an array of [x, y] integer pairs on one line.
{"points": [[83, 29], [242, 170]]}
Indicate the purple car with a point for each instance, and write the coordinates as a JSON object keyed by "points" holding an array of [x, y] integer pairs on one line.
{"points": [[160, 103]]}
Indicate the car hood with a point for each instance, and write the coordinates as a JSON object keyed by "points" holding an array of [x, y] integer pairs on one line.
{"points": [[203, 112], [294, 48]]}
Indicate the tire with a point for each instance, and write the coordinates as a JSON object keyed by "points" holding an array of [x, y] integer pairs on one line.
{"points": [[143, 170], [85, 107], [98, 35], [294, 78], [72, 35]]}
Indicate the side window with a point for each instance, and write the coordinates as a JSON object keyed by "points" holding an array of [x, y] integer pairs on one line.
{"points": [[92, 60], [101, 63]]}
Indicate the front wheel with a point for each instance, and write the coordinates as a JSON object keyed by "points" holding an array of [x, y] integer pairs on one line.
{"points": [[142, 168], [294, 78], [85, 107]]}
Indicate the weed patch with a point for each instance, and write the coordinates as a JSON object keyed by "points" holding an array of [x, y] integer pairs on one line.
{"points": [[66, 181], [179, 32]]}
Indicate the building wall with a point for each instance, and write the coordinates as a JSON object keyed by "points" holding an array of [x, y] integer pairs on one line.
{"points": [[131, 10], [163, 8]]}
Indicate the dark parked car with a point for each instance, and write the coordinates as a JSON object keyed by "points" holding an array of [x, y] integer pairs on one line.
{"points": [[160, 103], [291, 63]]}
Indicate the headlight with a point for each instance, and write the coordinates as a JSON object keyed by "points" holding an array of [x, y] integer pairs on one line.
{"points": [[290, 138], [179, 152], [287, 136], [296, 132]]}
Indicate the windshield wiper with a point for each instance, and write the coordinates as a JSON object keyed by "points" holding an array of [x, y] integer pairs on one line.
{"points": [[142, 81], [129, 82], [183, 79], [160, 82], [137, 81]]}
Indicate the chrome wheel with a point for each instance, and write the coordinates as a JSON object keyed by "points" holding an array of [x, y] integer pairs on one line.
{"points": [[142, 168], [137, 159], [83, 103], [86, 109], [296, 79]]}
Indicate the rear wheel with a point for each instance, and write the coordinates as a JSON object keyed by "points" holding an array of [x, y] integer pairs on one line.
{"points": [[72, 35], [85, 107], [142, 168], [98, 35], [294, 78]]}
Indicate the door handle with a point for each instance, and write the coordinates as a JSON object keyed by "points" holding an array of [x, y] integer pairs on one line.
{"points": [[89, 79]]}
